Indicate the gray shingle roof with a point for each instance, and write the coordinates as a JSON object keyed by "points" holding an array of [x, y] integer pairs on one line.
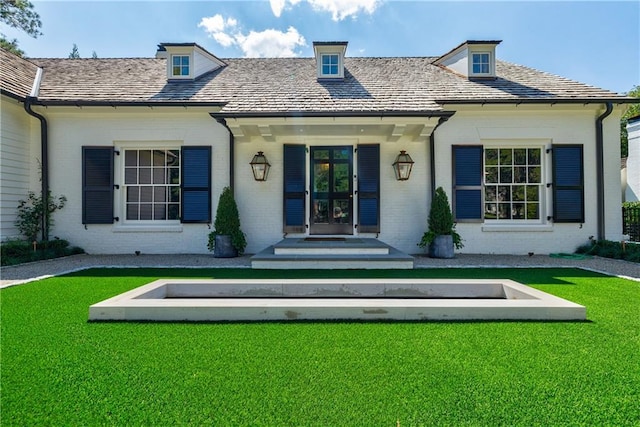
{"points": [[16, 74], [289, 85]]}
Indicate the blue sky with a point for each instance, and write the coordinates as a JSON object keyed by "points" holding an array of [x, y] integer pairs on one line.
{"points": [[595, 42]]}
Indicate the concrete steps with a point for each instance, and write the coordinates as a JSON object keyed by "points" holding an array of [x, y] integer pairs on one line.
{"points": [[331, 253]]}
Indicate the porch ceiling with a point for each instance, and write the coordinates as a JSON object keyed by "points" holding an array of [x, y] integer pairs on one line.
{"points": [[385, 129]]}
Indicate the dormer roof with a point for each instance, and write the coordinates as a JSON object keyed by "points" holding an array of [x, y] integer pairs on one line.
{"points": [[475, 59], [330, 59], [187, 61]]}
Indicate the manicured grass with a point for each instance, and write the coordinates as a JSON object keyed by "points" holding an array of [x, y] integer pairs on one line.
{"points": [[59, 369]]}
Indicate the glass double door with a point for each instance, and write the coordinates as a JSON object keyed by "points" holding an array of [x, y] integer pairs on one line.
{"points": [[331, 190]]}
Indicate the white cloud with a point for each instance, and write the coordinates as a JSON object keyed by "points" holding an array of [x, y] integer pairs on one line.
{"points": [[277, 6], [271, 43], [217, 23], [341, 9], [267, 43]]}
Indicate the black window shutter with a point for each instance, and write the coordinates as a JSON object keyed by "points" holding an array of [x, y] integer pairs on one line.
{"points": [[568, 183], [196, 184], [97, 185], [467, 182], [294, 188], [369, 188]]}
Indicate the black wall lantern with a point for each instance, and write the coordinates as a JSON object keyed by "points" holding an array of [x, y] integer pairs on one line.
{"points": [[260, 167], [402, 166]]}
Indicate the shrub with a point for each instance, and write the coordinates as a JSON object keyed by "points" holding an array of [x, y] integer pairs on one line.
{"points": [[20, 251], [440, 221], [227, 222], [32, 214], [608, 249]]}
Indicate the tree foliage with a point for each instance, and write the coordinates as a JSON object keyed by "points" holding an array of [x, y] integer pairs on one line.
{"points": [[18, 14], [11, 46], [74, 52], [633, 110]]}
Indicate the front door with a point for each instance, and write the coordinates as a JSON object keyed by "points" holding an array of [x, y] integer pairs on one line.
{"points": [[331, 190]]}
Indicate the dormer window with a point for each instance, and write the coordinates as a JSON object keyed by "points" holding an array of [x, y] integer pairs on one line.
{"points": [[187, 61], [480, 63], [330, 64], [330, 59], [474, 59], [180, 67]]}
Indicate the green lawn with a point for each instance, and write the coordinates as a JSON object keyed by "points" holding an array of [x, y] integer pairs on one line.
{"points": [[59, 369]]}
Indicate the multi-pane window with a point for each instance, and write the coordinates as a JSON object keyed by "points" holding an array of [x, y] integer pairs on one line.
{"points": [[180, 65], [330, 65], [480, 64], [152, 185], [512, 183]]}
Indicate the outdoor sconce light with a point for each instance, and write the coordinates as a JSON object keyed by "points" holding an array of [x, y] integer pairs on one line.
{"points": [[260, 167], [402, 166]]}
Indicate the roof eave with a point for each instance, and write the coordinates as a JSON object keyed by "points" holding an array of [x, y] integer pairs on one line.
{"points": [[540, 101], [385, 113], [87, 103]]}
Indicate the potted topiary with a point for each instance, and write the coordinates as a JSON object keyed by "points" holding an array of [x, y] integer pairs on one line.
{"points": [[441, 235], [227, 239]]}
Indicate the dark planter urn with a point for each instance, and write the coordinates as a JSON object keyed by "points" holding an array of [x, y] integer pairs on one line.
{"points": [[224, 248], [441, 247]]}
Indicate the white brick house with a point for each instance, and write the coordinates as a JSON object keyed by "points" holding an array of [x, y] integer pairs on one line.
{"points": [[142, 148]]}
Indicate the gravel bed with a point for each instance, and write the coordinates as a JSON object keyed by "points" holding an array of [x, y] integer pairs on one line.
{"points": [[25, 273]]}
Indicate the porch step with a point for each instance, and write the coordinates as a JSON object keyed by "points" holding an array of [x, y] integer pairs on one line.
{"points": [[331, 253]]}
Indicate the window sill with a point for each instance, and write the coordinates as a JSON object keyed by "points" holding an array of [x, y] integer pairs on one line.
{"points": [[517, 228], [148, 228]]}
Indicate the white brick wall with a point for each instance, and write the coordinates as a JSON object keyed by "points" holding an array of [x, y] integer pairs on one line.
{"points": [[404, 205]]}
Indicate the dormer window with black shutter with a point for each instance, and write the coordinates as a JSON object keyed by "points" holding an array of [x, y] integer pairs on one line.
{"points": [[330, 59]]}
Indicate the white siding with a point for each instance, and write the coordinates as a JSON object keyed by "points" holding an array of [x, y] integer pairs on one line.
{"points": [[15, 163], [633, 162]]}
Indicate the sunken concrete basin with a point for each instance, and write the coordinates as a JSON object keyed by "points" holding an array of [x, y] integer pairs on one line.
{"points": [[334, 299]]}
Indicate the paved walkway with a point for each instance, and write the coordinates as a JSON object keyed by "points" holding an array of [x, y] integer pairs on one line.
{"points": [[38, 270]]}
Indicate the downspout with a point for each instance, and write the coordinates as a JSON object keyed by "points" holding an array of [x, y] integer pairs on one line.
{"points": [[44, 150], [223, 122], [600, 169], [432, 152]]}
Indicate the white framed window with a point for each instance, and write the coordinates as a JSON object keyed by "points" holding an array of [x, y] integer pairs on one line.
{"points": [[330, 65], [151, 192], [481, 63], [513, 184], [180, 65]]}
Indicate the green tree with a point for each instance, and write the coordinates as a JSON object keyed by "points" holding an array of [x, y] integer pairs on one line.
{"points": [[11, 46], [633, 110], [74, 52], [18, 14]]}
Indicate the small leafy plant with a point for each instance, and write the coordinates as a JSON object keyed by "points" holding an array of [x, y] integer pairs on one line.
{"points": [[440, 221], [34, 212], [227, 222]]}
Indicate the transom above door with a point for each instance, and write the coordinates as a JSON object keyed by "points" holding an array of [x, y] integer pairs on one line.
{"points": [[331, 190]]}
